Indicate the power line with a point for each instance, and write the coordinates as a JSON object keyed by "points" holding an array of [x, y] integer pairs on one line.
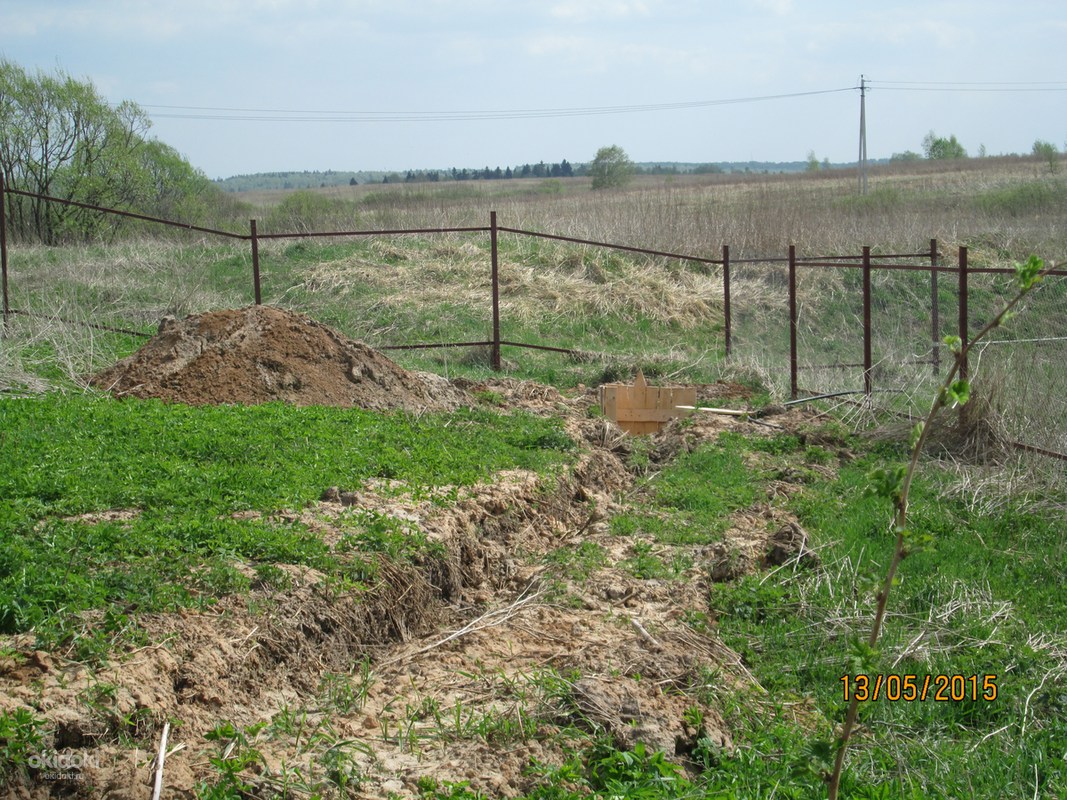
{"points": [[295, 115], [226, 113], [975, 83], [970, 86]]}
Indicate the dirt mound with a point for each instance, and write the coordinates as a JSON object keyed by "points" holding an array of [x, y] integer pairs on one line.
{"points": [[257, 354]]}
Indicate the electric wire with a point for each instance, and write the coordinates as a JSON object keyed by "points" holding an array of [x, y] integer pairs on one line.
{"points": [[294, 115], [237, 114]]}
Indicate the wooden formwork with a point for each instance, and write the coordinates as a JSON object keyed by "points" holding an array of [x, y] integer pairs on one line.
{"points": [[640, 408]]}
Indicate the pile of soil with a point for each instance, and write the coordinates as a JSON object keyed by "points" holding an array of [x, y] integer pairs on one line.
{"points": [[258, 354]]}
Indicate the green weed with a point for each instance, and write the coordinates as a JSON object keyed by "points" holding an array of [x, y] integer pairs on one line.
{"points": [[180, 473], [21, 738], [577, 563]]}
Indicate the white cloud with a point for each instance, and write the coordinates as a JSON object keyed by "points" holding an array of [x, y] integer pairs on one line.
{"points": [[27, 22], [780, 7], [599, 54], [585, 10]]}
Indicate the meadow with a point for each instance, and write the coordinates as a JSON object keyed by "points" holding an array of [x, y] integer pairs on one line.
{"points": [[217, 490], [624, 311]]}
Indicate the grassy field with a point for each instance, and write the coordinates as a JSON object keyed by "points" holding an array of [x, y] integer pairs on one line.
{"points": [[114, 512], [985, 601], [622, 310]]}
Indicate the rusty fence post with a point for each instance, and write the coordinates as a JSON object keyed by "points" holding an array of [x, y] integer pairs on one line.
{"points": [[255, 263], [935, 315], [793, 381], [868, 360], [726, 297], [3, 246], [495, 355], [963, 310]]}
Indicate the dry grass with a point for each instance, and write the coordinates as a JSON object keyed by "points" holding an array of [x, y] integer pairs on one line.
{"points": [[757, 215], [548, 286]]}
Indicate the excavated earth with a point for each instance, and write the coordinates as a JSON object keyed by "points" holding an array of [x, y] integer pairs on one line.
{"points": [[261, 353], [444, 667]]}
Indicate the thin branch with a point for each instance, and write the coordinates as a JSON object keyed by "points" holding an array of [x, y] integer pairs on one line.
{"points": [[900, 518]]}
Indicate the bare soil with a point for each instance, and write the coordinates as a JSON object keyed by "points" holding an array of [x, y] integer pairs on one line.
{"points": [[258, 354], [460, 667]]}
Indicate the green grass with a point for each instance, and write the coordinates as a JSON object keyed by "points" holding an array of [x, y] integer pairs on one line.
{"points": [[1025, 199], [691, 500], [984, 600], [183, 471], [989, 597]]}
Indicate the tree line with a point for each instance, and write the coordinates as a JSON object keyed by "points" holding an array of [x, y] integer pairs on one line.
{"points": [[59, 137], [540, 170], [563, 169], [941, 148]]}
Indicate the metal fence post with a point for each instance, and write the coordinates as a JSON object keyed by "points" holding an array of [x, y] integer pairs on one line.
{"points": [[255, 263], [3, 245], [868, 361], [726, 297], [935, 320], [495, 355], [793, 382], [963, 310]]}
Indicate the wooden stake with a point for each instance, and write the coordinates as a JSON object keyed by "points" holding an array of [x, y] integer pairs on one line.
{"points": [[733, 412]]}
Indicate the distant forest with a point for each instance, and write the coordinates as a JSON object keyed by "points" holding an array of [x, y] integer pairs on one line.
{"points": [[310, 179]]}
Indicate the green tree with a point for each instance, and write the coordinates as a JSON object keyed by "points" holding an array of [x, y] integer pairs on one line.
{"points": [[1049, 153], [906, 157], [611, 168], [59, 137], [813, 162], [937, 147]]}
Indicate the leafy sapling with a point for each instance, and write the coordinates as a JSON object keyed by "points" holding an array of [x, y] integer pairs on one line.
{"points": [[894, 484]]}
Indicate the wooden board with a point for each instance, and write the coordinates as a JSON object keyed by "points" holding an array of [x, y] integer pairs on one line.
{"points": [[641, 408]]}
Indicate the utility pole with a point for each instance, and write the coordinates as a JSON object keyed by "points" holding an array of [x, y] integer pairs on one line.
{"points": [[862, 161]]}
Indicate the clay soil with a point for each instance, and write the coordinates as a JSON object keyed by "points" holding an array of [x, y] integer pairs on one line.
{"points": [[258, 354], [470, 665]]}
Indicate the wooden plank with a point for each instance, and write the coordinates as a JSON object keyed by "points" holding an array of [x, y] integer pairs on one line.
{"points": [[609, 401], [640, 428], [640, 408], [647, 415]]}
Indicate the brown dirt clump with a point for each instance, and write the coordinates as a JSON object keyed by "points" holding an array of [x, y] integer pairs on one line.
{"points": [[258, 354]]}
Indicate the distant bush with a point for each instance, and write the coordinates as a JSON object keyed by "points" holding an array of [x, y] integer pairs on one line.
{"points": [[1023, 199], [906, 157], [938, 147], [306, 211], [1049, 153]]}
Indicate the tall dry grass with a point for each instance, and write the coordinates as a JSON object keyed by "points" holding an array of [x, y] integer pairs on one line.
{"points": [[1002, 209]]}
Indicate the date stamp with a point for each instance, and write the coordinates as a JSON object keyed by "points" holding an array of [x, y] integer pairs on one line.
{"points": [[919, 688]]}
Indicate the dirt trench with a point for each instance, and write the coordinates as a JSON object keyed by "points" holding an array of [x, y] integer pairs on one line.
{"points": [[460, 665]]}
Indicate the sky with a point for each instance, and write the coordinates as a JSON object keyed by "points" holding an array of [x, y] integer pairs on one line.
{"points": [[244, 86]]}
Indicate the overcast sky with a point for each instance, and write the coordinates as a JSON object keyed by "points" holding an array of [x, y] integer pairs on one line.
{"points": [[369, 84]]}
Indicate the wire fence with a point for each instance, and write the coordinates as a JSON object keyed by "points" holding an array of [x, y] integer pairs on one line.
{"points": [[817, 336]]}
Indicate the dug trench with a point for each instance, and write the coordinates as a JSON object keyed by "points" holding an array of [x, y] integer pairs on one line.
{"points": [[473, 661]]}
